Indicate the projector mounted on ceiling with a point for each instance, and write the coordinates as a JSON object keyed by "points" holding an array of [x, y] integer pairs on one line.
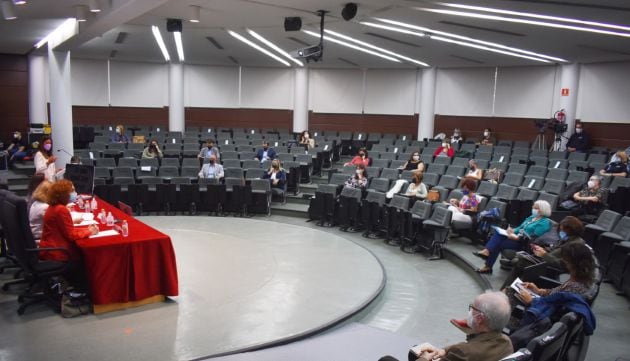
{"points": [[313, 53]]}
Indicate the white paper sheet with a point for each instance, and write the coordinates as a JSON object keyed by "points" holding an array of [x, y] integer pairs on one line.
{"points": [[109, 232]]}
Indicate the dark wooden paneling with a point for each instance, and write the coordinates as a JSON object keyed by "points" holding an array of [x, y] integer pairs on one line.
{"points": [[120, 115], [611, 135], [368, 123], [13, 95], [239, 118]]}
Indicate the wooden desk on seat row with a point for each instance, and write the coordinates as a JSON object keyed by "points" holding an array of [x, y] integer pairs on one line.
{"points": [[129, 271]]}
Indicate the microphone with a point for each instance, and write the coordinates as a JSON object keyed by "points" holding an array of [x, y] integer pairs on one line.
{"points": [[63, 150]]}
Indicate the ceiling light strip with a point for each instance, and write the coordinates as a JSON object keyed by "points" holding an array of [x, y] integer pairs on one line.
{"points": [[524, 21], [538, 16], [258, 47], [274, 47], [160, 42], [179, 45], [481, 47], [465, 38], [339, 35], [337, 41], [64, 31]]}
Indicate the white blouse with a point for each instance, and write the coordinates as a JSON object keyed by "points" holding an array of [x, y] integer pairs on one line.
{"points": [[36, 218]]}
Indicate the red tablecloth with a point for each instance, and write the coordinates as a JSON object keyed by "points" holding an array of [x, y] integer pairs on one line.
{"points": [[124, 269]]}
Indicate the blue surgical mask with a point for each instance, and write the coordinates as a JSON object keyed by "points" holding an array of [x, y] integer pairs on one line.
{"points": [[73, 197], [563, 235], [465, 192], [534, 212]]}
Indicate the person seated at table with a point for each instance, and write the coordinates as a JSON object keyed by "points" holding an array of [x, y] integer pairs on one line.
{"points": [[306, 140], [37, 209], [119, 135], [265, 153], [277, 175], [533, 226], [414, 163], [209, 149], [212, 169], [445, 150], [359, 179], [468, 203], [17, 149], [361, 158], [618, 165], [152, 151], [45, 161], [578, 141], [487, 138], [570, 230], [474, 172], [488, 314]]}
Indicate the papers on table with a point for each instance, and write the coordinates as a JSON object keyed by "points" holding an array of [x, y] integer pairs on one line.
{"points": [[82, 219], [500, 231], [109, 232], [518, 286], [85, 223]]}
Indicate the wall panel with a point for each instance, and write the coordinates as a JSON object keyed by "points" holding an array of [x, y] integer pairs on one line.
{"points": [[120, 115], [267, 88], [89, 82], [396, 124], [239, 118], [390, 91], [525, 92], [466, 92], [138, 84], [13, 95], [603, 93], [212, 87], [336, 90]]}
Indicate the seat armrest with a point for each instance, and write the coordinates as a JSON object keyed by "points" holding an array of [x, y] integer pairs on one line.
{"points": [[54, 249], [546, 282]]}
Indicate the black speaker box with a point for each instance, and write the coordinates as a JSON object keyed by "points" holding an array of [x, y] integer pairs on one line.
{"points": [[349, 11], [173, 25], [292, 23]]}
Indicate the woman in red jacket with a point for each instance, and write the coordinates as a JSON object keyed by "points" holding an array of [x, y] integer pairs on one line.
{"points": [[445, 150], [59, 230]]}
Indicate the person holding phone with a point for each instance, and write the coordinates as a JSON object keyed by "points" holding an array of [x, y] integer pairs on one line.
{"points": [[360, 158], [445, 150]]}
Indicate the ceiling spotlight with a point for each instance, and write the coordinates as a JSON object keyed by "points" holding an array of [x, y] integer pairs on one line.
{"points": [[81, 13], [94, 6], [195, 12], [349, 11], [19, 2], [8, 10]]}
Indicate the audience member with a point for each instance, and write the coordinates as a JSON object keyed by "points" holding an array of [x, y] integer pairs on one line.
{"points": [[457, 138], [416, 188], [359, 179], [445, 150], [361, 158], [487, 138], [37, 209], [591, 199], [152, 151], [488, 314], [119, 135], [265, 153], [306, 140], [45, 161], [277, 175], [209, 149], [474, 172], [570, 230], [17, 149], [468, 203], [75, 159], [578, 141], [533, 226], [618, 165], [414, 163], [212, 169]]}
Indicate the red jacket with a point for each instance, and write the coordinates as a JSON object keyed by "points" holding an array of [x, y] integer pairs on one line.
{"points": [[358, 160], [450, 152], [59, 231]]}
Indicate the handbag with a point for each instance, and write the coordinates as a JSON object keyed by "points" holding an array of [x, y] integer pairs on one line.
{"points": [[75, 304], [493, 175], [433, 195]]}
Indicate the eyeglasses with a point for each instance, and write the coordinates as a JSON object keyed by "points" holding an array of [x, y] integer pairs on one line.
{"points": [[471, 307]]}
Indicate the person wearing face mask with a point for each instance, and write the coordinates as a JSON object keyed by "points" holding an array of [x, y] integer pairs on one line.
{"points": [[212, 169], [445, 150], [487, 138], [17, 149], [591, 199], [306, 140], [533, 226], [487, 315], [474, 172], [277, 175], [361, 158], [152, 151], [119, 135], [618, 165], [359, 179], [578, 141], [265, 153], [45, 161], [209, 149], [570, 230], [457, 138], [468, 203], [414, 163]]}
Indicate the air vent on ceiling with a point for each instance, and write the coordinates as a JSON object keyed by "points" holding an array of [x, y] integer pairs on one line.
{"points": [[492, 30], [112, 54], [348, 61], [573, 4], [603, 50], [470, 60], [121, 37], [233, 59], [299, 41], [214, 42], [392, 39]]}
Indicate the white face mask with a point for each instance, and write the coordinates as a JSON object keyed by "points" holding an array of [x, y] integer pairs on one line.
{"points": [[444, 145], [359, 171], [456, 135], [485, 134], [470, 319], [578, 130], [415, 157], [591, 184], [118, 130]]}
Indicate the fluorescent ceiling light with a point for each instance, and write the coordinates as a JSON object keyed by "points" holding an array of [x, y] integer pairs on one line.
{"points": [[258, 47], [274, 47], [328, 38], [427, 31], [158, 38], [94, 6], [538, 16], [66, 26], [178, 44], [195, 12], [19, 2], [8, 10], [376, 47], [440, 38], [81, 13], [523, 21]]}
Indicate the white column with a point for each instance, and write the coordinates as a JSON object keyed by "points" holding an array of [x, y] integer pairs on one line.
{"points": [[427, 103], [60, 105], [569, 79], [176, 97], [300, 100], [37, 110]]}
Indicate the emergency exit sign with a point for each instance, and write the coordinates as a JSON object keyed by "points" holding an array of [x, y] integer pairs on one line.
{"points": [[564, 92]]}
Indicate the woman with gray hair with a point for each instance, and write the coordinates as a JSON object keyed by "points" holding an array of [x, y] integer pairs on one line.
{"points": [[515, 238]]}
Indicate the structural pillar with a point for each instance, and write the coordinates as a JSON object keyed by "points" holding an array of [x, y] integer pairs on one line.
{"points": [[60, 105], [427, 103], [176, 120], [300, 100], [569, 80], [37, 109]]}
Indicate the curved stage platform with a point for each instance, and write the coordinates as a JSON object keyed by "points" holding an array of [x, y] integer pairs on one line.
{"points": [[244, 284]]}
